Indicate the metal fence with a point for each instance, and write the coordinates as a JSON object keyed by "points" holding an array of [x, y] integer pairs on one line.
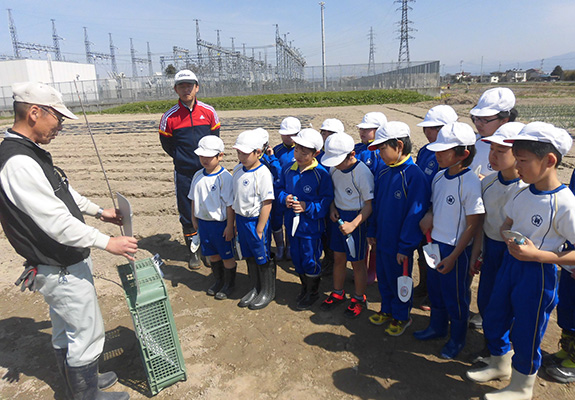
{"points": [[96, 95]]}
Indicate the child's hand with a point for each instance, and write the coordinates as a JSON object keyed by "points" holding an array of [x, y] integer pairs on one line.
{"points": [[475, 266], [269, 151], [260, 234], [228, 233], [333, 214], [426, 223], [400, 258], [347, 228], [298, 206], [446, 265], [523, 252], [371, 242], [289, 201]]}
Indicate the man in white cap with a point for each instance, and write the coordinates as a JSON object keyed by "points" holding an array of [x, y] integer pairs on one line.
{"points": [[42, 217], [495, 107], [181, 128]]}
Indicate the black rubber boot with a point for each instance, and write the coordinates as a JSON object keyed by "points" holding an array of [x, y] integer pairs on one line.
{"points": [[303, 288], [218, 272], [311, 294], [105, 380], [229, 283], [83, 384], [194, 262], [254, 281], [327, 262], [267, 293]]}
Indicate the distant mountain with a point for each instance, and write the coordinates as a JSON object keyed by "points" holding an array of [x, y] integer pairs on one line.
{"points": [[566, 61]]}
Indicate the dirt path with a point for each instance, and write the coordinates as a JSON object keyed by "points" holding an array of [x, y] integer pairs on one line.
{"points": [[274, 353]]}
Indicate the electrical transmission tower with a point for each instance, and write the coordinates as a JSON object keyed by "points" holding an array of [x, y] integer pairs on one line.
{"points": [[290, 61], [371, 64], [135, 60], [92, 56], [17, 45], [404, 32]]}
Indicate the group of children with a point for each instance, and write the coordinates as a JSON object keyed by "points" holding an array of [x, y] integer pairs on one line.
{"points": [[491, 203]]}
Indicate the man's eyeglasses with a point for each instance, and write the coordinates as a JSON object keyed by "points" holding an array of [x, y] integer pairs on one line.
{"points": [[482, 120], [59, 118]]}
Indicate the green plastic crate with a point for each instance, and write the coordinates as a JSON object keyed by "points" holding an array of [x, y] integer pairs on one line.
{"points": [[154, 323]]}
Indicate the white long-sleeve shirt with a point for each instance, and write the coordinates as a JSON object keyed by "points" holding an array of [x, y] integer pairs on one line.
{"points": [[29, 190]]}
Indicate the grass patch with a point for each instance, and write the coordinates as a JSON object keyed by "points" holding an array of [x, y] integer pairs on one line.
{"points": [[295, 100], [562, 116]]}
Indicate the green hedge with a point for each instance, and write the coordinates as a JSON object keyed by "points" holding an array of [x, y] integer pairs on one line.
{"points": [[298, 100]]}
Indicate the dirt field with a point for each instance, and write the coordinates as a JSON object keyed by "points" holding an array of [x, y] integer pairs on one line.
{"points": [[230, 353]]}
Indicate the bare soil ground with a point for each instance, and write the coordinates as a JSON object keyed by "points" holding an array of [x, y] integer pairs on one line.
{"points": [[274, 353]]}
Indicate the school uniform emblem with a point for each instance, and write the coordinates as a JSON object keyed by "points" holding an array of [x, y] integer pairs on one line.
{"points": [[348, 191], [246, 182], [450, 200], [397, 194], [537, 220], [213, 188], [307, 189], [368, 162]]}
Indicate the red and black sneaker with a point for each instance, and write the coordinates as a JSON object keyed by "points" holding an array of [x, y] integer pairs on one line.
{"points": [[332, 300], [355, 307]]}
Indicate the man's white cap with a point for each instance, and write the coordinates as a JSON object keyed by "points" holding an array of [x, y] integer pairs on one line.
{"points": [[372, 120], [42, 95], [290, 126], [391, 130], [546, 133], [263, 135], [332, 125], [210, 146], [248, 141], [493, 101], [438, 116], [337, 147], [505, 131], [453, 135], [185, 75], [309, 138]]}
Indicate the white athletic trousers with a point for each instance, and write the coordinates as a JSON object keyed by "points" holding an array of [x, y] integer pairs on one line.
{"points": [[76, 318]]}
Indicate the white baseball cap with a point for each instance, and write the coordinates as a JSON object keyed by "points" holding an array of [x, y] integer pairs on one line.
{"points": [[248, 141], [505, 131], [185, 75], [210, 146], [438, 116], [42, 95], [309, 138], [391, 130], [290, 126], [337, 147], [453, 135], [545, 133], [332, 125], [372, 120], [493, 101], [263, 135]]}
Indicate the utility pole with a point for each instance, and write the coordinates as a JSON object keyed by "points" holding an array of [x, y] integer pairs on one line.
{"points": [[371, 64], [113, 55], [322, 5]]}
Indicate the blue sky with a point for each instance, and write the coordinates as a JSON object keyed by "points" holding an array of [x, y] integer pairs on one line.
{"points": [[455, 32]]}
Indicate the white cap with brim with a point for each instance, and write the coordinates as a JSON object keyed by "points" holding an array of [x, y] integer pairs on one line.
{"points": [[290, 126], [337, 147], [185, 76], [493, 101], [248, 141], [42, 95], [210, 146], [372, 120], [309, 138], [263, 135], [505, 131], [332, 125], [391, 130], [439, 116], [453, 135], [545, 133]]}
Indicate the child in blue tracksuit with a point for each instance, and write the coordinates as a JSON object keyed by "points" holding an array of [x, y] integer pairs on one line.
{"points": [[307, 191], [367, 128], [540, 218], [401, 200], [289, 127], [253, 197], [456, 217]]}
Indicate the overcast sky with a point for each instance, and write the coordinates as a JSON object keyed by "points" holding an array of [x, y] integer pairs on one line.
{"points": [[455, 32]]}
